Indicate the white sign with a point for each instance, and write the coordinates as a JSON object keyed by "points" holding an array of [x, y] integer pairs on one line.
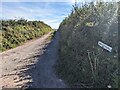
{"points": [[108, 48]]}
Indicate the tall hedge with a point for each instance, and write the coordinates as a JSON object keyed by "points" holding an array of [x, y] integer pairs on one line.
{"points": [[83, 63]]}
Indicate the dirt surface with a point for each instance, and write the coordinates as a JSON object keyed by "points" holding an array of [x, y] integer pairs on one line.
{"points": [[31, 65]]}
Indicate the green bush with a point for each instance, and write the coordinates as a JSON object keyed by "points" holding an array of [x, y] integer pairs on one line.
{"points": [[17, 32], [83, 63]]}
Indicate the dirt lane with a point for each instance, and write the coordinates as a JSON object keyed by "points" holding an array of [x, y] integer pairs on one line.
{"points": [[46, 73], [31, 65]]}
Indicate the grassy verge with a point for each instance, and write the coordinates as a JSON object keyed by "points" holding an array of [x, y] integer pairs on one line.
{"points": [[52, 35]]}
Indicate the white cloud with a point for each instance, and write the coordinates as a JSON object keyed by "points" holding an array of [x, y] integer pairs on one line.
{"points": [[29, 11], [54, 23], [71, 1], [51, 23], [64, 16], [42, 14], [12, 14]]}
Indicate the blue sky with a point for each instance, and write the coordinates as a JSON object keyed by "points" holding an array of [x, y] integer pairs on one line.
{"points": [[52, 13]]}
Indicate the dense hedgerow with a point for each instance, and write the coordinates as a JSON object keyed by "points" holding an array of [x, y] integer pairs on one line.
{"points": [[83, 63], [16, 32]]}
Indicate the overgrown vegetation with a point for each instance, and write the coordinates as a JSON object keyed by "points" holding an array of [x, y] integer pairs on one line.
{"points": [[17, 32], [83, 63]]}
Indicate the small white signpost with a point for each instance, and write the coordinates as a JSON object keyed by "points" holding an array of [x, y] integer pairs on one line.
{"points": [[108, 48]]}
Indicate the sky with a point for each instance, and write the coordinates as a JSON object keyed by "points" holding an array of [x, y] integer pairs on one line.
{"points": [[51, 12]]}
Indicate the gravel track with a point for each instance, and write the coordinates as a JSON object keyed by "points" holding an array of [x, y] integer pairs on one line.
{"points": [[31, 65]]}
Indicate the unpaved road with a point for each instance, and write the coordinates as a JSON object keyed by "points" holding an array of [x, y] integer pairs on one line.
{"points": [[31, 65]]}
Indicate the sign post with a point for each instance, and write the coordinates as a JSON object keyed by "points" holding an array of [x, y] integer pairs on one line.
{"points": [[108, 48]]}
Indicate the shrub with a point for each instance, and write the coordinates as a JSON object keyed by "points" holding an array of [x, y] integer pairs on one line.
{"points": [[82, 62], [17, 32]]}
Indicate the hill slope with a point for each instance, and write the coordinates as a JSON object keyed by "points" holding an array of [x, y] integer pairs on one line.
{"points": [[16, 32]]}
